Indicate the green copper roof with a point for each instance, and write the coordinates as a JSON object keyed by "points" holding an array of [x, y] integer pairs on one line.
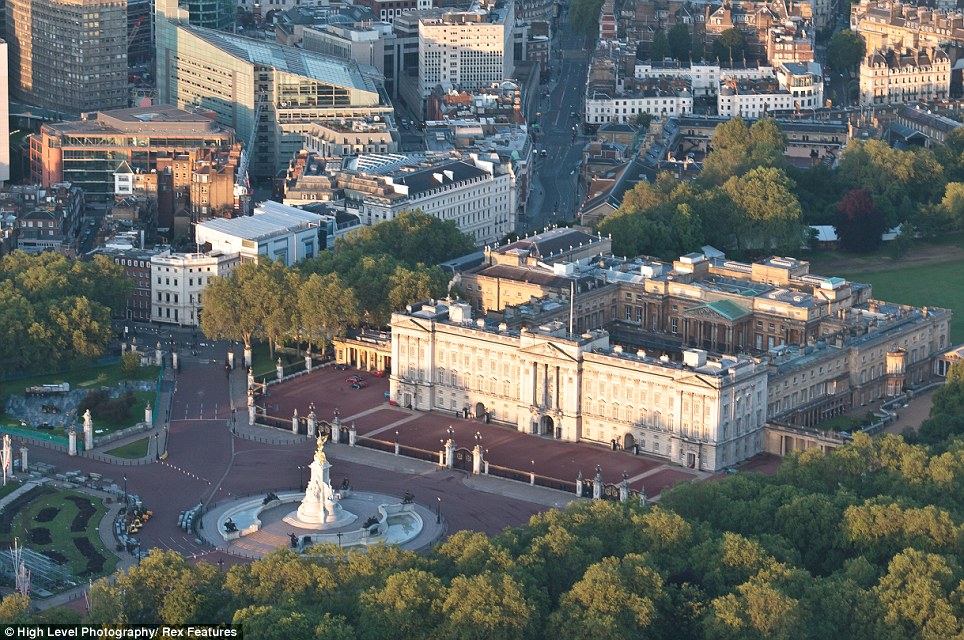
{"points": [[727, 309]]}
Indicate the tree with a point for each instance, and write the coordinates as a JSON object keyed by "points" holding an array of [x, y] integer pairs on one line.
{"points": [[326, 308], [845, 50], [768, 212], [860, 223], [226, 314], [14, 608], [584, 16], [916, 596], [407, 286], [486, 606], [130, 363], [616, 598], [680, 42], [659, 49], [406, 607], [729, 46], [643, 120], [737, 148]]}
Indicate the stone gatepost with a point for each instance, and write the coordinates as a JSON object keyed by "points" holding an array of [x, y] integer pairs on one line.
{"points": [[312, 424], [72, 442], [643, 500], [441, 457], [247, 357], [477, 460], [450, 453], [250, 380], [398, 448], [294, 422], [597, 484], [579, 483], [123, 347], [24, 467], [352, 435], [148, 413], [251, 415], [231, 358], [174, 360], [624, 488], [88, 432], [280, 370], [308, 362], [158, 354]]}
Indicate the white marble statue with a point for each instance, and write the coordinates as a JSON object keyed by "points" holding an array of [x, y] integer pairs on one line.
{"points": [[320, 505]]}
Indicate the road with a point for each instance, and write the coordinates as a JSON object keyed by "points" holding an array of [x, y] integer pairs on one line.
{"points": [[555, 194]]}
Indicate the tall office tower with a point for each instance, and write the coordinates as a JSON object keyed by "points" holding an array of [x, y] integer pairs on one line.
{"points": [[4, 116], [212, 14], [68, 56], [140, 31]]}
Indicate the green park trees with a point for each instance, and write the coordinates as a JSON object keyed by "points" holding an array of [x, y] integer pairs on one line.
{"points": [[584, 16], [845, 50], [55, 310], [371, 273]]}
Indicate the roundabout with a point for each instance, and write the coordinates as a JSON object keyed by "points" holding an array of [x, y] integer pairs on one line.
{"points": [[257, 525]]}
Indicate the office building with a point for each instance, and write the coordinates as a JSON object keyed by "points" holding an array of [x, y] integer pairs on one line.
{"points": [[466, 49], [178, 281], [88, 152], [231, 75], [68, 56], [4, 115], [280, 232]]}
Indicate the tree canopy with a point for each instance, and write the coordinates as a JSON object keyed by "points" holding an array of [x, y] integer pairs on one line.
{"points": [[55, 310], [845, 49]]}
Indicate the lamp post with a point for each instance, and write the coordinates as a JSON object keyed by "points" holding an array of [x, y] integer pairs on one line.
{"points": [[451, 432], [301, 475], [127, 517], [339, 539], [221, 565], [438, 510], [478, 438], [157, 447]]}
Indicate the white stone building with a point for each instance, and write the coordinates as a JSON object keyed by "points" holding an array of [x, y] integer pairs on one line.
{"points": [[178, 281], [275, 231], [602, 108], [477, 194], [4, 116], [466, 49], [895, 77], [704, 414]]}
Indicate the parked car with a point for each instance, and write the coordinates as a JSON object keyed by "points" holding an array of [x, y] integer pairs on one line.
{"points": [[380, 373], [361, 384], [354, 378], [342, 367]]}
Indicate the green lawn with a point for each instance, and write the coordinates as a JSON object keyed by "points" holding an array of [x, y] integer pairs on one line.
{"points": [[59, 528], [12, 485], [935, 285], [132, 450], [106, 376]]}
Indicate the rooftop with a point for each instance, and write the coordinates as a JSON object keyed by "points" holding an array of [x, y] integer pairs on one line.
{"points": [[269, 219]]}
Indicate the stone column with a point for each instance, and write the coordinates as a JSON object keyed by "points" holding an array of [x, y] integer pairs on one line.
{"points": [[398, 449], [352, 435], [477, 460], [231, 358], [247, 357], [280, 370], [450, 453], [23, 460], [624, 488], [123, 347], [485, 467], [251, 415], [88, 431], [308, 361], [532, 478], [148, 413], [643, 500], [441, 457], [158, 354], [72, 442], [597, 484], [174, 360], [294, 422], [250, 380], [312, 424], [579, 483]]}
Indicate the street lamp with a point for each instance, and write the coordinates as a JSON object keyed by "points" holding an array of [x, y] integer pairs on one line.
{"points": [[396, 436], [451, 432], [438, 510], [221, 565], [157, 447], [126, 512], [339, 539], [301, 475]]}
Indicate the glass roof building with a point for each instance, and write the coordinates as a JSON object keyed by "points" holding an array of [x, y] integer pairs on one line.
{"points": [[229, 74]]}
